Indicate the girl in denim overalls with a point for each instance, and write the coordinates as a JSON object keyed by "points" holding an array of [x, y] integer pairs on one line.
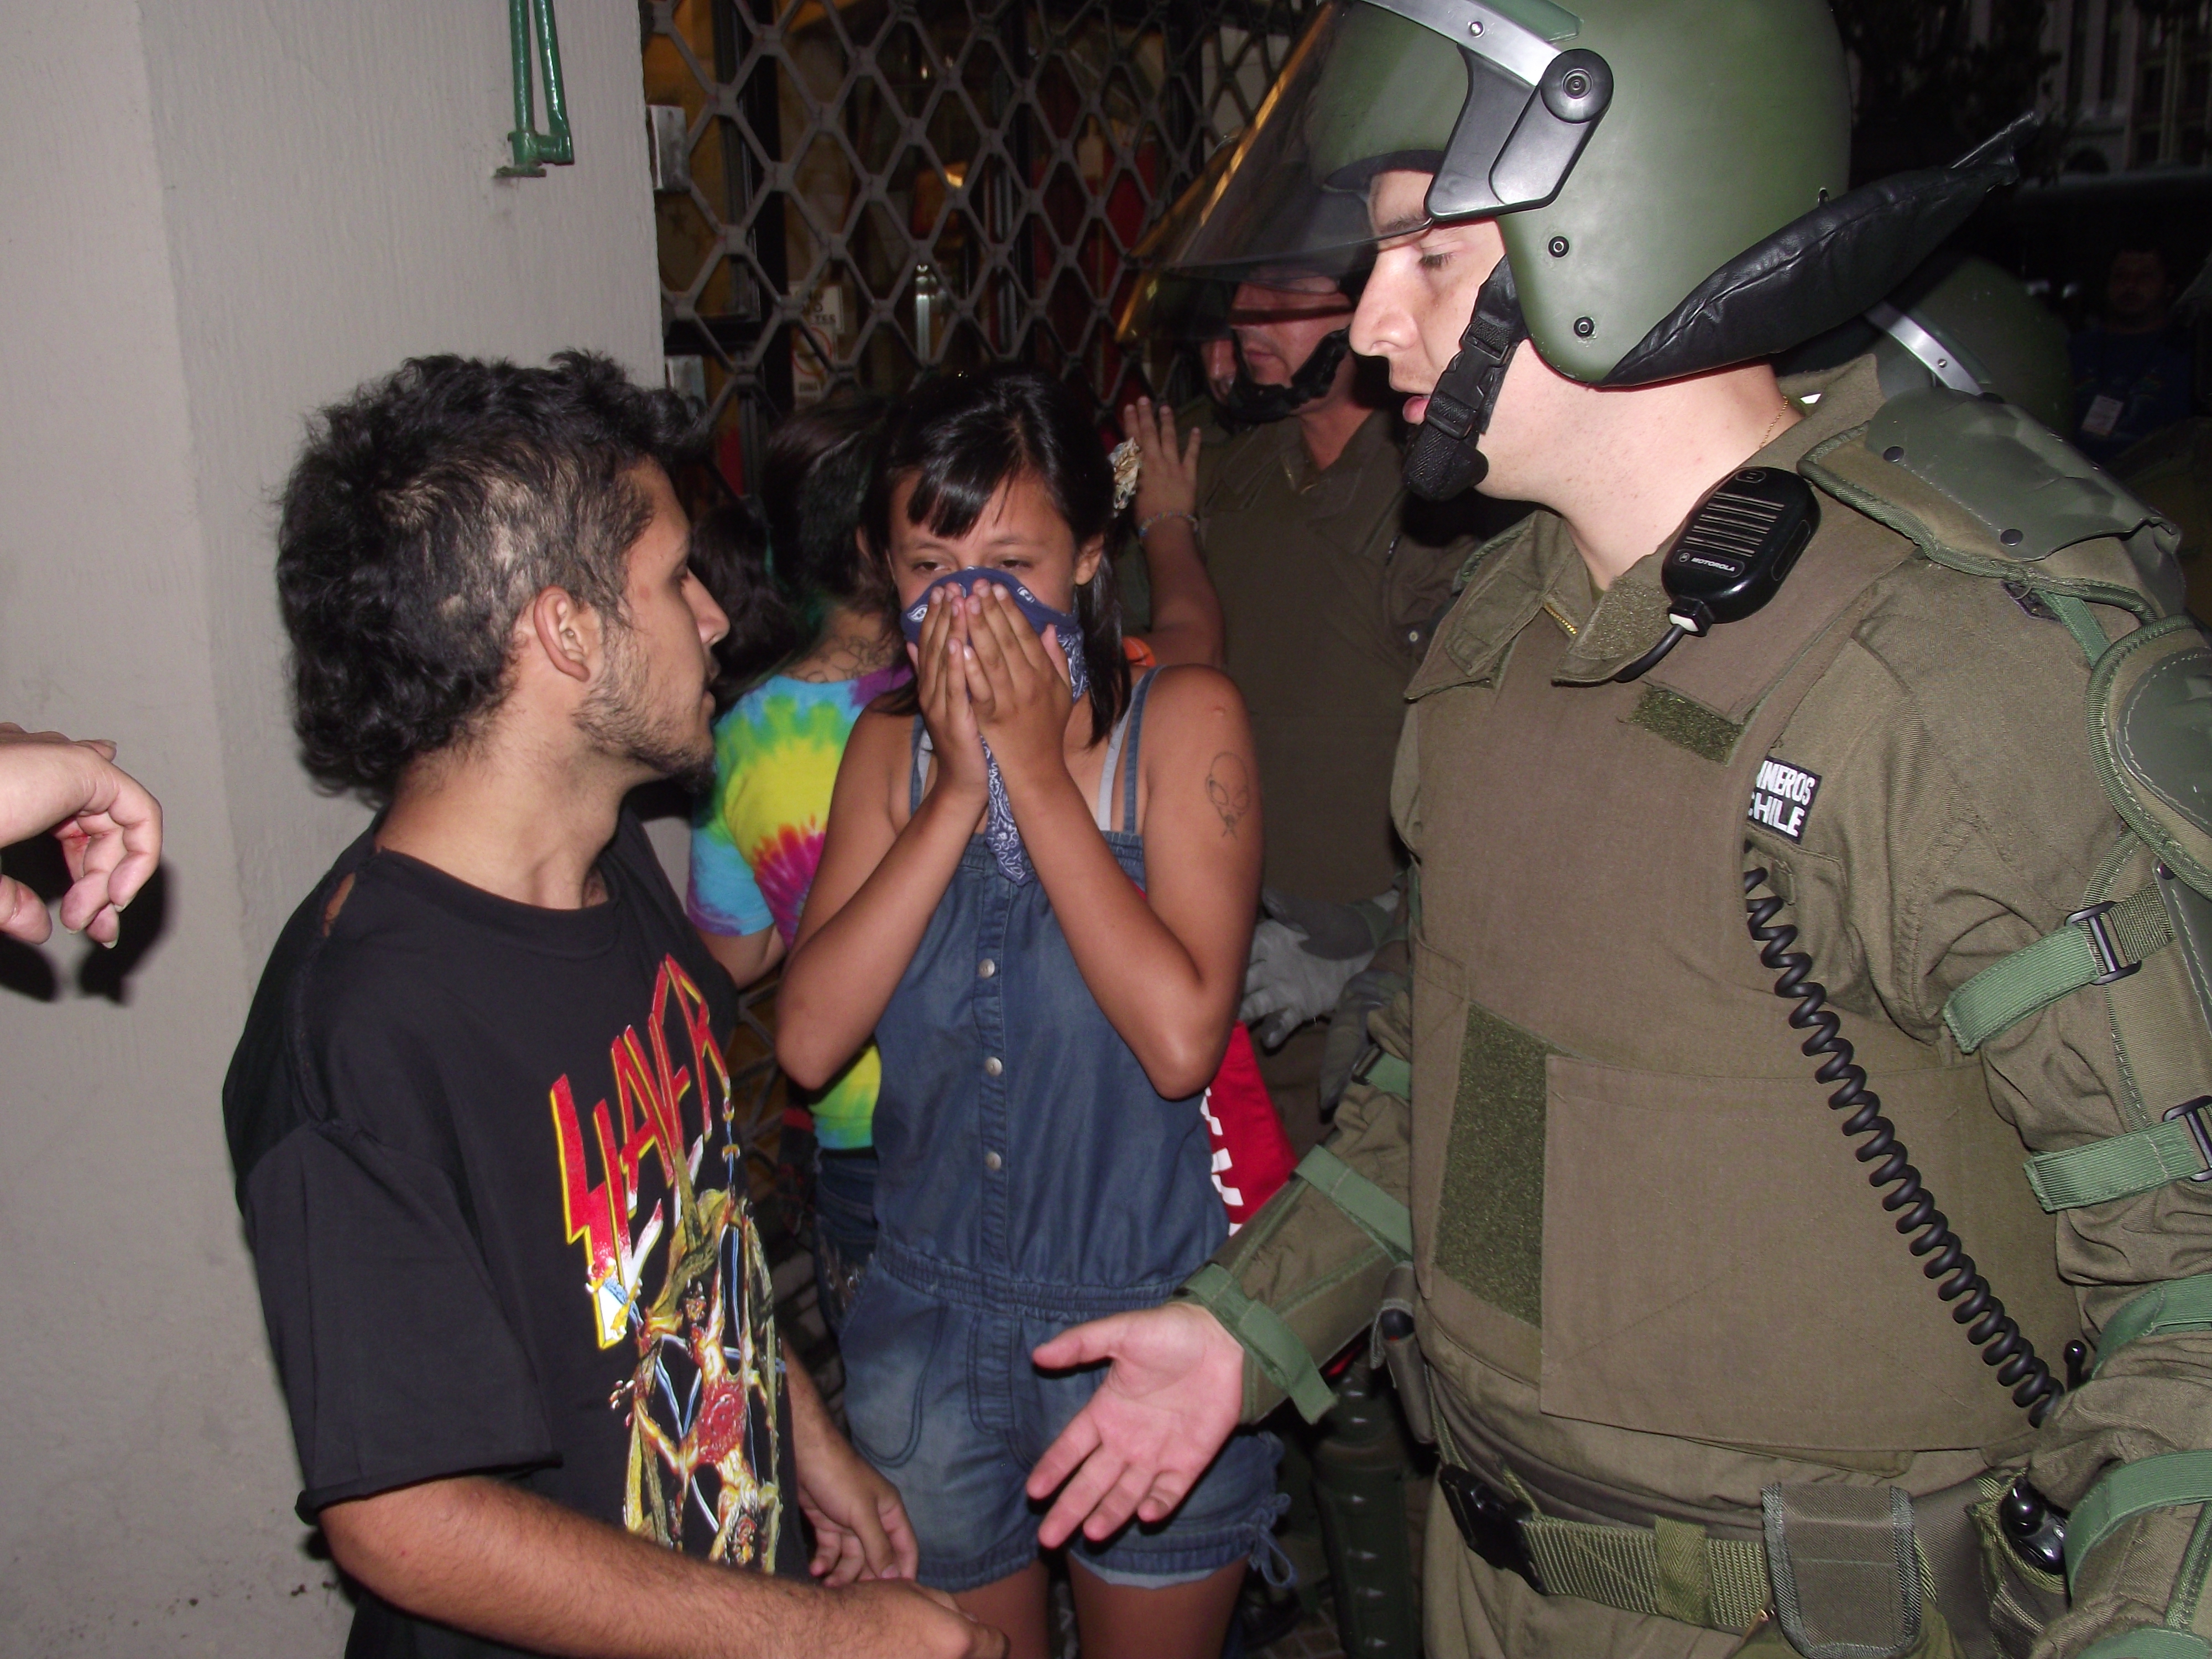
{"points": [[1036, 895]]}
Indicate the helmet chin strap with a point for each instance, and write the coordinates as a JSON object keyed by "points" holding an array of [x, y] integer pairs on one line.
{"points": [[1254, 404], [1442, 459]]}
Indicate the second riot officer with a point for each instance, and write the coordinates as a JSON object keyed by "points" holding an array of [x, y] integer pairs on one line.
{"points": [[1811, 951], [1331, 580]]}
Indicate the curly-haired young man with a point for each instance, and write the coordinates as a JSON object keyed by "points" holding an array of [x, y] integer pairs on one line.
{"points": [[480, 1119]]}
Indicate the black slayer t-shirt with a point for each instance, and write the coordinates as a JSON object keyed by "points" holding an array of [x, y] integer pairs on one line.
{"points": [[487, 1159]]}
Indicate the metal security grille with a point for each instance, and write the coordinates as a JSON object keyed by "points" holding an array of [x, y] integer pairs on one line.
{"points": [[851, 194]]}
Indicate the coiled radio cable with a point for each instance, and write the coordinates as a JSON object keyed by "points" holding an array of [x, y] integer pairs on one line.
{"points": [[1990, 1328]]}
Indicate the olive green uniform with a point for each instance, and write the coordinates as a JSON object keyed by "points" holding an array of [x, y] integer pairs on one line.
{"points": [[1329, 596], [1652, 1278], [1331, 581]]}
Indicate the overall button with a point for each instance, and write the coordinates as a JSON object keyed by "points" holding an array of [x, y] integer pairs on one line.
{"points": [[993, 1067], [992, 1161], [986, 968]]}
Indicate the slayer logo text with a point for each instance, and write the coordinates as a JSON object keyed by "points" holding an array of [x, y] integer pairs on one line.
{"points": [[674, 1264]]}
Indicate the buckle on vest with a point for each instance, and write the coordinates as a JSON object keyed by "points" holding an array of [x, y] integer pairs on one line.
{"points": [[2105, 948], [2191, 1112], [1490, 1521]]}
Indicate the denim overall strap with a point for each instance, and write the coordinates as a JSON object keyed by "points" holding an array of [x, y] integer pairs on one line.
{"points": [[1135, 718], [1123, 731]]}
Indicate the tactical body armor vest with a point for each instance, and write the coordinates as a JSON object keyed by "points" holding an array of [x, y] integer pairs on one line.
{"points": [[1670, 1236], [1628, 1194]]}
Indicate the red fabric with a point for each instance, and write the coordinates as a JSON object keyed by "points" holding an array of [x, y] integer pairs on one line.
{"points": [[1251, 1153], [1252, 1156], [730, 459]]}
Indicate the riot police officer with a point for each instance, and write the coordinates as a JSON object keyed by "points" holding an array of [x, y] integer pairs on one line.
{"points": [[1331, 580], [1805, 728]]}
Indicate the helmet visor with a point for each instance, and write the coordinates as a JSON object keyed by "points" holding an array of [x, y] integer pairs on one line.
{"points": [[1488, 102]]}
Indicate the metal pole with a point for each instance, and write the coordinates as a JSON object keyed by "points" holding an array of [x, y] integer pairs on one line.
{"points": [[558, 146], [523, 141], [529, 147]]}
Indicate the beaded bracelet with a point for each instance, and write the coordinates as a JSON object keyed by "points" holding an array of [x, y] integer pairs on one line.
{"points": [[1146, 524]]}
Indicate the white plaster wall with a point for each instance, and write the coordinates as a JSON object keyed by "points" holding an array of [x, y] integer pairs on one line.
{"points": [[215, 216], [328, 172]]}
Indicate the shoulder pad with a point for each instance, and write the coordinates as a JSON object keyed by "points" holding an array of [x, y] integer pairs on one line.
{"points": [[2026, 486], [1983, 488]]}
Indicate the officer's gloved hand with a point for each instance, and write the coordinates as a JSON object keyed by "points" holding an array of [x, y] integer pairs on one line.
{"points": [[1302, 955], [1366, 991]]}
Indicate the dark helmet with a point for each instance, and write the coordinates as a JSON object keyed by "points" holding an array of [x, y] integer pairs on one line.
{"points": [[1963, 323], [1191, 308]]}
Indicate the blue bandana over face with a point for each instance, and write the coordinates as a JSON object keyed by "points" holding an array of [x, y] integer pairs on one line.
{"points": [[1005, 840]]}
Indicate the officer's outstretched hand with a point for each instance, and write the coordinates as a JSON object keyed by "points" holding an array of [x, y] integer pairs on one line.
{"points": [[1171, 1399]]}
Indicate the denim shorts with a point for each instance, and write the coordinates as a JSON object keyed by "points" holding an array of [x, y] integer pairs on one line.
{"points": [[942, 1399], [844, 1228]]}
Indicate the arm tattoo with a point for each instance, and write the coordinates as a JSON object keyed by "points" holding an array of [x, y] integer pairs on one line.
{"points": [[1229, 786]]}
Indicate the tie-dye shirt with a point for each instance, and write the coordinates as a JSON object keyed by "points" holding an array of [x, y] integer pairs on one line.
{"points": [[758, 838]]}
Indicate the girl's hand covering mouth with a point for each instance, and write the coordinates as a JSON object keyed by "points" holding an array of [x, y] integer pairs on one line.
{"points": [[1018, 684], [939, 657]]}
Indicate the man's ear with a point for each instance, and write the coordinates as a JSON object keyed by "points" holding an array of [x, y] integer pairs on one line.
{"points": [[1087, 558], [567, 633]]}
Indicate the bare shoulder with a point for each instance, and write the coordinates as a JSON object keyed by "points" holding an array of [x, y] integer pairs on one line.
{"points": [[1196, 734], [877, 754], [877, 736], [1193, 697]]}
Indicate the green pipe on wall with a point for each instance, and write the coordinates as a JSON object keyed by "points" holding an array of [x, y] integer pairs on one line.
{"points": [[532, 150]]}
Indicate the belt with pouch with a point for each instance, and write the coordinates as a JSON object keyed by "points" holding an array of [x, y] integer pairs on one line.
{"points": [[1844, 1569], [1671, 1569]]}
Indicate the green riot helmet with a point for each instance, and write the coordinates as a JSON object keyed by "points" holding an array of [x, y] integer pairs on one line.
{"points": [[1176, 299], [1961, 322], [1167, 308], [1169, 304], [1668, 176], [1195, 306]]}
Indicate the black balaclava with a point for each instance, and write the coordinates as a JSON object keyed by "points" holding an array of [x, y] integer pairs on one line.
{"points": [[1250, 403]]}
